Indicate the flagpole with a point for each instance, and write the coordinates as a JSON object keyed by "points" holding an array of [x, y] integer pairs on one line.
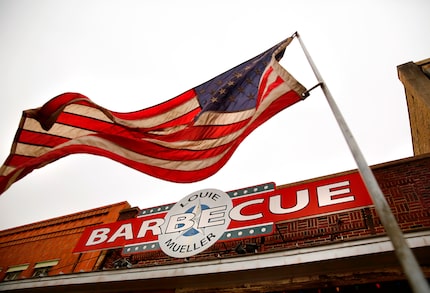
{"points": [[404, 254]]}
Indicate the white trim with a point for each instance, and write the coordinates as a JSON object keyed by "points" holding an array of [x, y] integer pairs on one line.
{"points": [[17, 268], [47, 263]]}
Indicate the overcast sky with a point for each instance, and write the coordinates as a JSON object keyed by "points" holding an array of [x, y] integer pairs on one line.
{"points": [[129, 55]]}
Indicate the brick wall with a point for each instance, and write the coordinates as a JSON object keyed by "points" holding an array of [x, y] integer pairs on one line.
{"points": [[53, 239]]}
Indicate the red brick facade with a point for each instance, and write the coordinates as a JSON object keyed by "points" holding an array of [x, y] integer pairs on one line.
{"points": [[53, 240]]}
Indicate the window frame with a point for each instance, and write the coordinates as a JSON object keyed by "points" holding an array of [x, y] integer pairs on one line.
{"points": [[41, 269], [13, 272]]}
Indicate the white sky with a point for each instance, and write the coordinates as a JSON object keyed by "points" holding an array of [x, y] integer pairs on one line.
{"points": [[128, 55]]}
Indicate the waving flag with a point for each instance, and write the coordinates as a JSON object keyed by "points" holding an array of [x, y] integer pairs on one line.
{"points": [[185, 139]]}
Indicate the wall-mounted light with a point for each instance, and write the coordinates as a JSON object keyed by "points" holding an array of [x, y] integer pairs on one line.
{"points": [[240, 249], [246, 248], [251, 247], [121, 263]]}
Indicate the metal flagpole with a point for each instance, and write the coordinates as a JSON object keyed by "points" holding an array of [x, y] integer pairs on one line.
{"points": [[404, 254]]}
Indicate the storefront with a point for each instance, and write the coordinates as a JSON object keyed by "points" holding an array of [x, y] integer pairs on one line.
{"points": [[319, 235]]}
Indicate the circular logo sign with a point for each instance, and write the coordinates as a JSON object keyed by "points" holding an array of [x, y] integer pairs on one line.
{"points": [[195, 223]]}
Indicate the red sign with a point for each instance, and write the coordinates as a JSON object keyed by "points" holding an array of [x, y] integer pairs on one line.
{"points": [[251, 213]]}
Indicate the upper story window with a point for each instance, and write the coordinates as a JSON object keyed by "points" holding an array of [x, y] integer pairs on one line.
{"points": [[14, 272], [41, 269]]}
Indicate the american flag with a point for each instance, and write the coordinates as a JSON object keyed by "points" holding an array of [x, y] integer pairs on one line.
{"points": [[185, 139]]}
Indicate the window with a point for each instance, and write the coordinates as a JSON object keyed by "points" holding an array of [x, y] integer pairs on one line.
{"points": [[12, 276], [13, 272], [41, 272], [41, 269]]}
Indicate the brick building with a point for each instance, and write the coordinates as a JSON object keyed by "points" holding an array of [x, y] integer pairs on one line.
{"points": [[45, 248], [343, 251], [346, 251]]}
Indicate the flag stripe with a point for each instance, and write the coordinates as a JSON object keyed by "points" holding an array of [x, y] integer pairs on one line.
{"points": [[58, 129], [143, 120], [90, 126], [107, 148], [211, 118], [203, 132], [87, 111], [37, 138], [187, 100], [36, 151]]}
